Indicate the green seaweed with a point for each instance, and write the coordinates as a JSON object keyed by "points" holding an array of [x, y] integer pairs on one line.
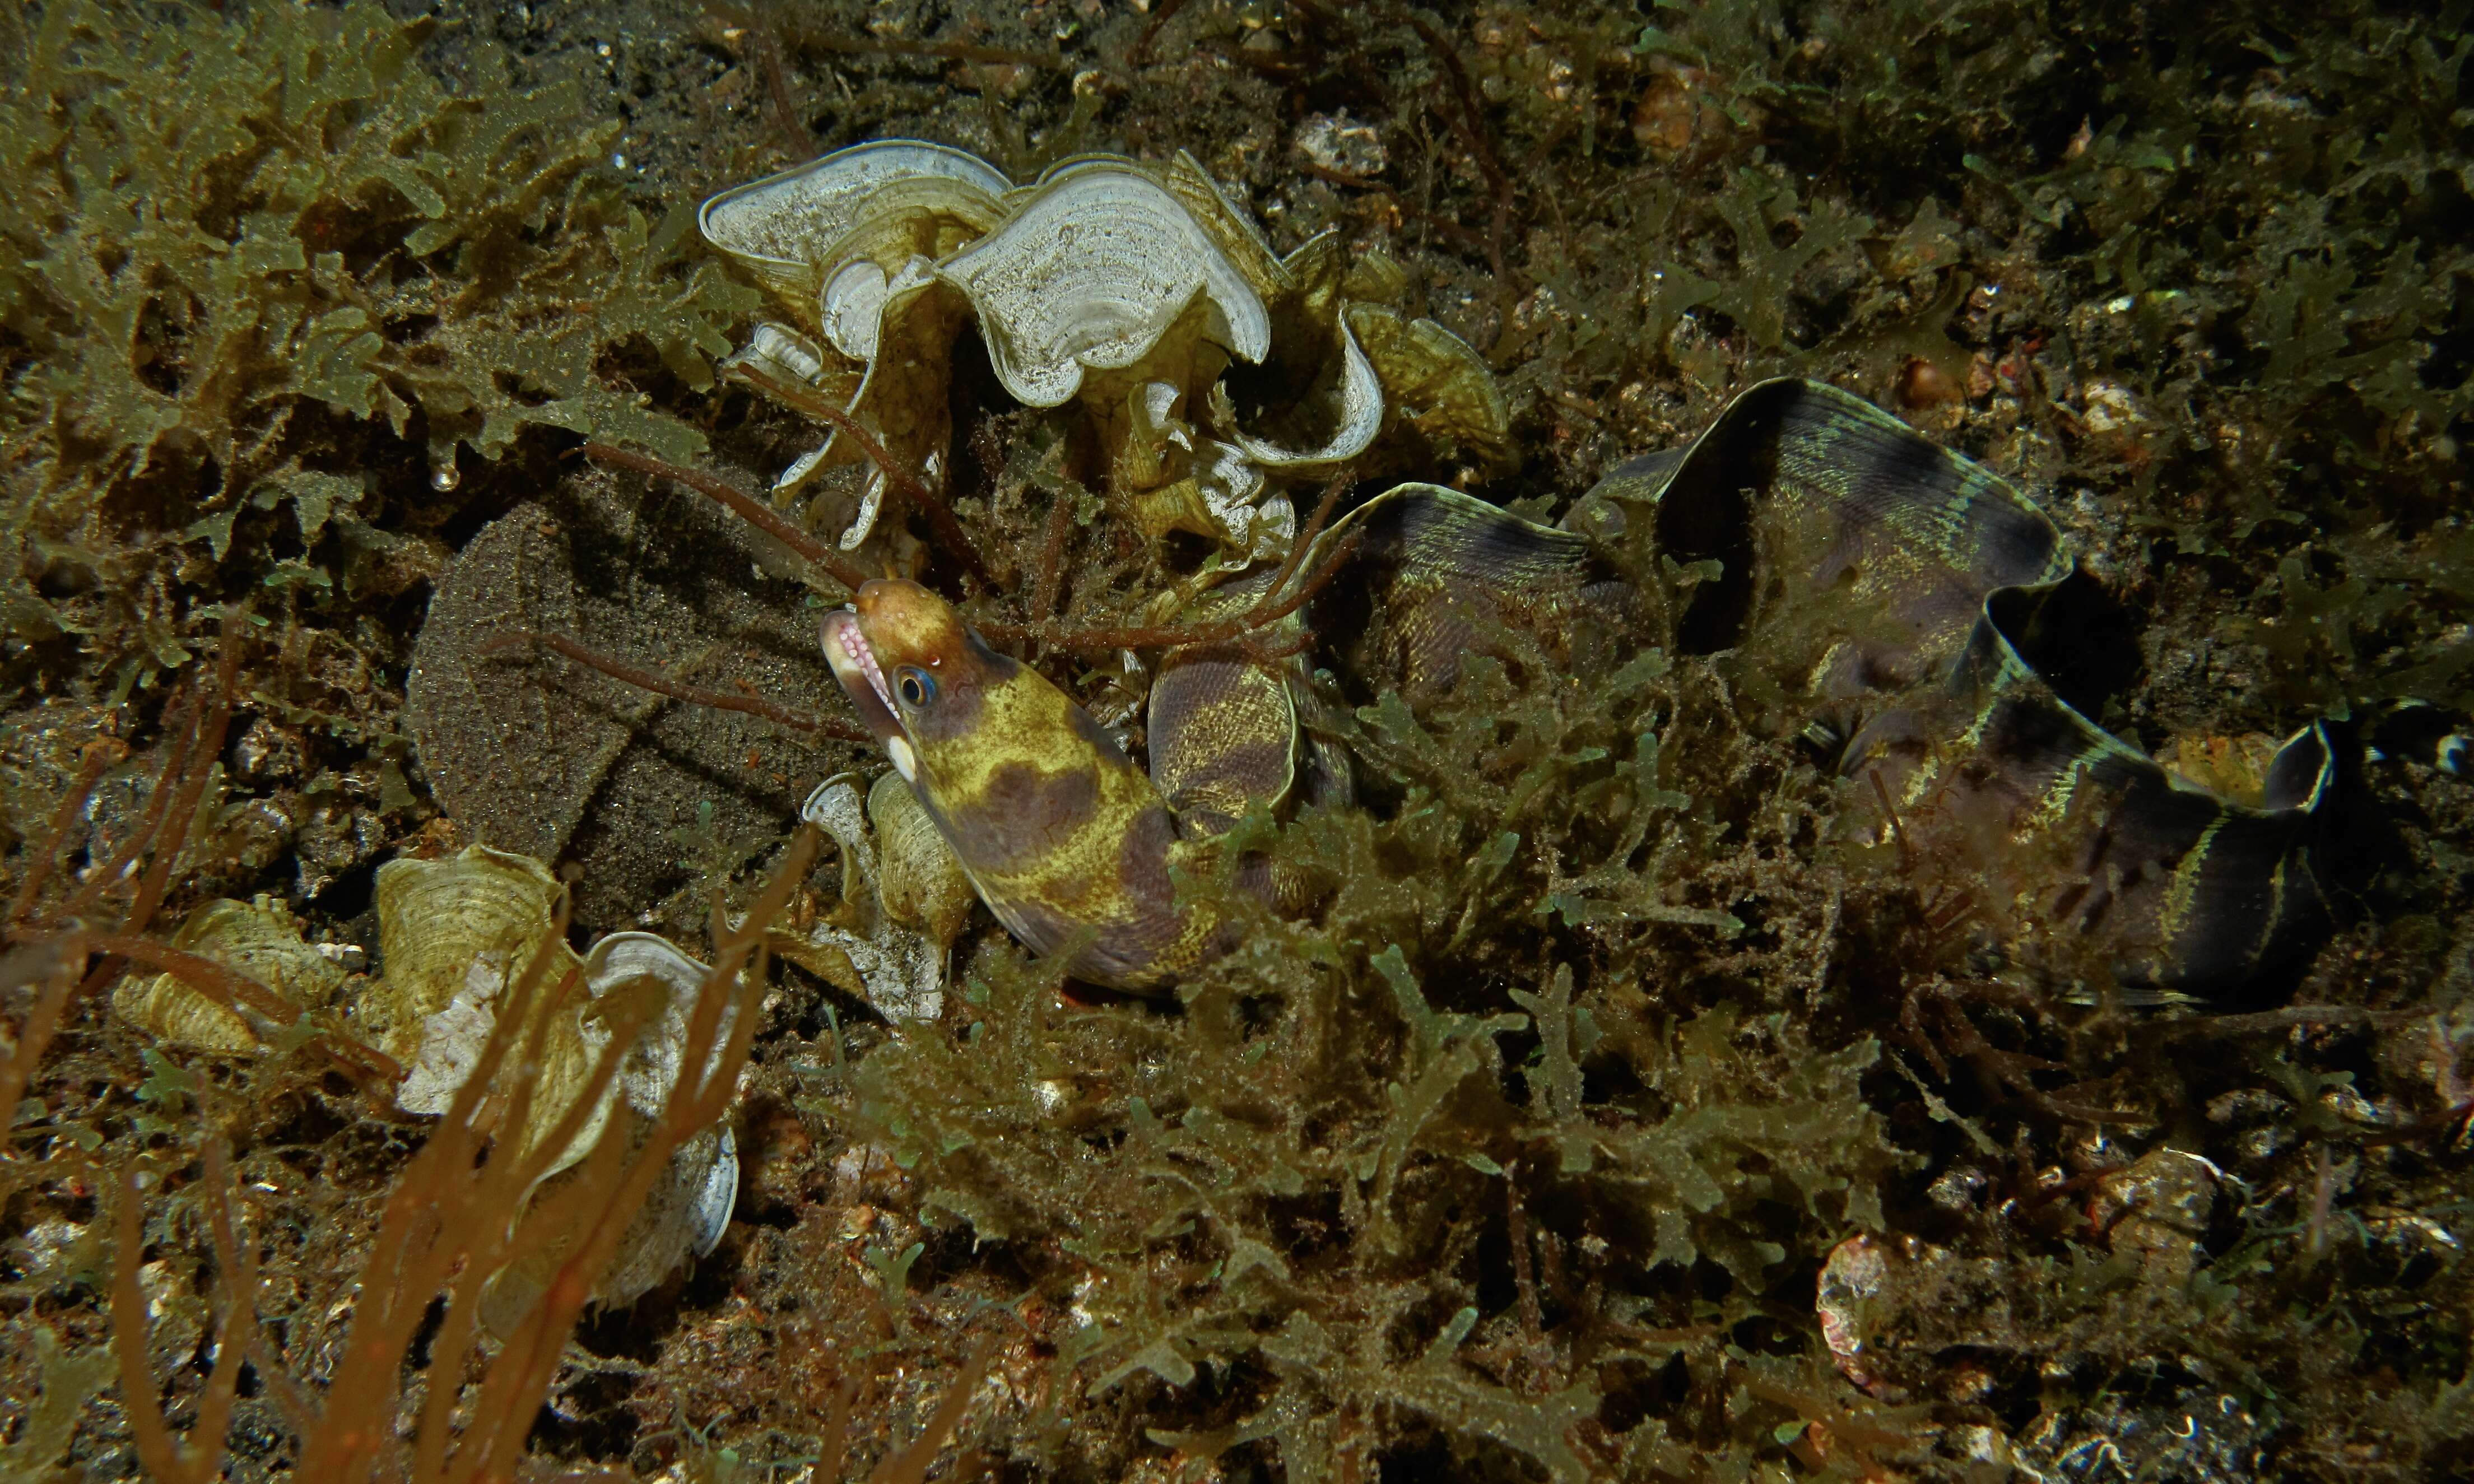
{"points": [[1521, 1154], [232, 236], [1331, 1076]]}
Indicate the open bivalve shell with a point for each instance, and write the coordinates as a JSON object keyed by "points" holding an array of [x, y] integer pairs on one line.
{"points": [[1125, 287], [904, 901], [783, 227], [1090, 273], [919, 882], [688, 1209], [456, 935], [683, 1215], [1354, 394]]}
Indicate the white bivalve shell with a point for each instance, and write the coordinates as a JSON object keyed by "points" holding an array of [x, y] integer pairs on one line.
{"points": [[1357, 396], [783, 227], [456, 937], [1128, 286], [1092, 272]]}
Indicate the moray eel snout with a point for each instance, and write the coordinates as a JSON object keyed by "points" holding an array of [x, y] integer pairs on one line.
{"points": [[913, 670]]}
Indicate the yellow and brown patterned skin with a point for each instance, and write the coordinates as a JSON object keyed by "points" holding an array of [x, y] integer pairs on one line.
{"points": [[1066, 840], [1073, 848], [1894, 588], [1865, 577], [1433, 575]]}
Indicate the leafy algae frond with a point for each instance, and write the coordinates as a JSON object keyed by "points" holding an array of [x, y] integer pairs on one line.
{"points": [[231, 237], [1550, 1141]]}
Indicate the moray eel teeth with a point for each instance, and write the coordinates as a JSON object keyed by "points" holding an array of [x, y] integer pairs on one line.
{"points": [[844, 642], [853, 661], [855, 664]]}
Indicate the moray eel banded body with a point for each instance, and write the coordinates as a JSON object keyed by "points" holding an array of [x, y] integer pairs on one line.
{"points": [[1068, 843], [1075, 848], [1892, 593], [1879, 591]]}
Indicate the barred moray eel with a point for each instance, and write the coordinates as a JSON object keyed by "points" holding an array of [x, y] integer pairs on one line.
{"points": [[1882, 589], [1068, 843], [1073, 847], [1891, 588]]}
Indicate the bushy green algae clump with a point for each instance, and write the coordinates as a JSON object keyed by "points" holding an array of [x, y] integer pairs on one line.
{"points": [[238, 247], [1293, 1202], [1524, 1156]]}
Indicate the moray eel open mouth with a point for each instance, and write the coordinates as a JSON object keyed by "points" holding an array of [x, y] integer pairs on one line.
{"points": [[892, 634], [855, 664], [1065, 838]]}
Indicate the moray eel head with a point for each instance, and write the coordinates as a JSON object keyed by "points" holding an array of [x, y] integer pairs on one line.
{"points": [[917, 674]]}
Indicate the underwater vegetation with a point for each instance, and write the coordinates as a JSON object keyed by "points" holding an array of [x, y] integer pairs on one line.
{"points": [[234, 242], [1624, 1104]]}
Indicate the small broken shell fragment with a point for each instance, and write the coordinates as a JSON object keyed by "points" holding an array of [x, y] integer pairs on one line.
{"points": [[1178, 480], [781, 353], [862, 949], [1436, 382], [1220, 498], [1091, 272], [257, 940], [783, 227]]}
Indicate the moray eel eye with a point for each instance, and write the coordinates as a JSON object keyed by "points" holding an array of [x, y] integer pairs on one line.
{"points": [[917, 686]]}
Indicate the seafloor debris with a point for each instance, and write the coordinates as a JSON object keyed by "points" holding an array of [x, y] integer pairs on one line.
{"points": [[529, 752], [904, 901], [1896, 1312], [258, 938], [1908, 1320], [456, 935], [1123, 287]]}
